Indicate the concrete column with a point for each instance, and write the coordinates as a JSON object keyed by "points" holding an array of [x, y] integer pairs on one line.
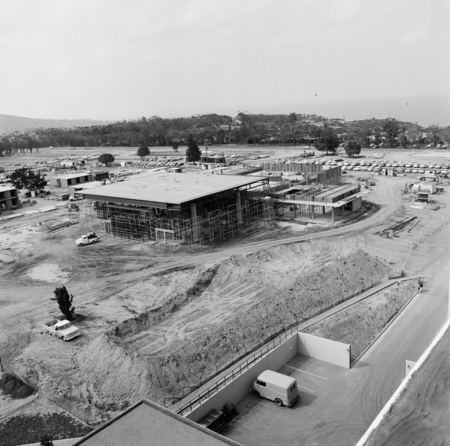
{"points": [[194, 219], [332, 215], [312, 212], [239, 207]]}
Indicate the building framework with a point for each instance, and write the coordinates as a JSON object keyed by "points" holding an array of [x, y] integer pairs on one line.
{"points": [[179, 207]]}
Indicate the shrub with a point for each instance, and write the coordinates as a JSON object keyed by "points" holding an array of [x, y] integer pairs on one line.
{"points": [[13, 386]]}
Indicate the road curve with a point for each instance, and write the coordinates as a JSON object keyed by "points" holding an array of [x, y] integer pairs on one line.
{"points": [[386, 196]]}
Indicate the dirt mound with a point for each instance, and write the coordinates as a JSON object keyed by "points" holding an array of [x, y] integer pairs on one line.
{"points": [[216, 346], [162, 312], [275, 288], [15, 387], [360, 324], [116, 374]]}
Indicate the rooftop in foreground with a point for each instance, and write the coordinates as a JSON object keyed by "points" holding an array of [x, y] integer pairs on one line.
{"points": [[146, 423], [173, 188]]}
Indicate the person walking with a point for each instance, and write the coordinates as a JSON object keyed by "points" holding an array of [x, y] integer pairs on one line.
{"points": [[420, 285]]}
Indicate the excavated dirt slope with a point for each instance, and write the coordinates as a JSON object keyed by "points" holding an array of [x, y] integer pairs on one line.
{"points": [[230, 308], [421, 414]]}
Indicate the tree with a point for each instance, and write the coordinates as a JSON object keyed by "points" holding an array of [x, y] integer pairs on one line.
{"points": [[26, 178], [175, 146], [327, 142], [143, 151], [106, 158], [352, 148], [392, 129], [64, 302], [193, 153], [403, 141], [434, 134]]}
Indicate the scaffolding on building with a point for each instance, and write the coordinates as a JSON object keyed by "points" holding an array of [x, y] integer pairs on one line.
{"points": [[137, 224]]}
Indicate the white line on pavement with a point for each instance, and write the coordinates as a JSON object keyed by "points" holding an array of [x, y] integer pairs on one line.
{"points": [[309, 390], [309, 373]]}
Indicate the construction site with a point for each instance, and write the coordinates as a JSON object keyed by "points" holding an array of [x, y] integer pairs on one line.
{"points": [[266, 259], [184, 208], [190, 208]]}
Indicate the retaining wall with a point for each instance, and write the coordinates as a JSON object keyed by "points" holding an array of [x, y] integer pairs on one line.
{"points": [[299, 343], [240, 386], [324, 350]]}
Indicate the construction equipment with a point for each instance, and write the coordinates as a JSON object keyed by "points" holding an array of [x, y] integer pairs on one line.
{"points": [[73, 207]]}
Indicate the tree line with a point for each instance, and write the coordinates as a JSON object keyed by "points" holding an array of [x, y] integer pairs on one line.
{"points": [[289, 129]]}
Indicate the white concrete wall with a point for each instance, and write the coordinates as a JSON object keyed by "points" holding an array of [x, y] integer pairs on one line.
{"points": [[324, 350], [299, 343], [356, 204], [240, 387]]}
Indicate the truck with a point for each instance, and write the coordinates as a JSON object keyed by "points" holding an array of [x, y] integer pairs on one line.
{"points": [[87, 239], [62, 329], [276, 387]]}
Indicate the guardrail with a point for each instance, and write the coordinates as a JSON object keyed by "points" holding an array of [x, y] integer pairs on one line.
{"points": [[235, 372]]}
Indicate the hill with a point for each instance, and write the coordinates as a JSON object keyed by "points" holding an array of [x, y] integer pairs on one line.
{"points": [[210, 129], [10, 123]]}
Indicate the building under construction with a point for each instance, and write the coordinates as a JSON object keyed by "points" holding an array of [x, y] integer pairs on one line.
{"points": [[179, 207], [311, 173]]}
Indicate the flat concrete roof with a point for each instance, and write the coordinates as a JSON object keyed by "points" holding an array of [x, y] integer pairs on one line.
{"points": [[74, 175], [90, 185], [326, 204], [170, 188], [336, 191], [146, 423]]}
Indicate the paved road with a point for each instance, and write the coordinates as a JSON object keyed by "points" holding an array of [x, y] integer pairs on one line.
{"points": [[376, 376]]}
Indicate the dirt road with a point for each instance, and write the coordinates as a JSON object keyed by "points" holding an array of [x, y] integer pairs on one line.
{"points": [[386, 195]]}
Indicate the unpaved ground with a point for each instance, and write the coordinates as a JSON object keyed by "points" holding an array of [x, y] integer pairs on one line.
{"points": [[421, 414], [36, 418], [360, 324], [116, 281]]}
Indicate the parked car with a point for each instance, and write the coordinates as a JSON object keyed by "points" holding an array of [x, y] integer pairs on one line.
{"points": [[62, 329], [87, 239]]}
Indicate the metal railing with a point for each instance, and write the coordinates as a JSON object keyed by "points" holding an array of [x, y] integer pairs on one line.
{"points": [[238, 370]]}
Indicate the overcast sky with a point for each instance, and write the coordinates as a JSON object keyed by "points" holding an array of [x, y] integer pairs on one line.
{"points": [[115, 60]]}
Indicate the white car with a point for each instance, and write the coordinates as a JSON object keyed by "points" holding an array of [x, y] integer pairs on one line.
{"points": [[87, 239], [62, 329]]}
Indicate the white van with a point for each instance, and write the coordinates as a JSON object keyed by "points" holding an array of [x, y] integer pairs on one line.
{"points": [[277, 387]]}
